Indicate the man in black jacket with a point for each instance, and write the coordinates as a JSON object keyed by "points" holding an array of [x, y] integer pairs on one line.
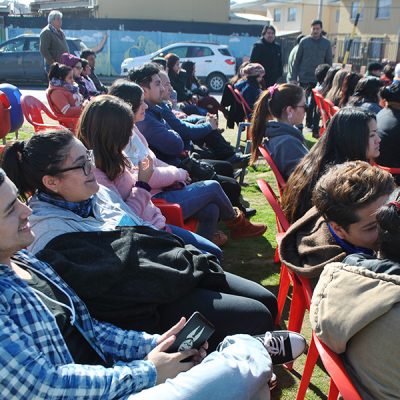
{"points": [[267, 53]]}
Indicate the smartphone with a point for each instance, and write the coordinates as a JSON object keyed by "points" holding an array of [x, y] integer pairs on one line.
{"points": [[196, 331]]}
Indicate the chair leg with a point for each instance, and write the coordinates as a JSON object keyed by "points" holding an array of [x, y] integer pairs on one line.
{"points": [[312, 357], [284, 283], [247, 150], [276, 256], [333, 391]]}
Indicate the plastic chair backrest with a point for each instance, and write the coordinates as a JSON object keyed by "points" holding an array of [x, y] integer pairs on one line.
{"points": [[5, 119], [274, 203], [32, 109], [392, 170], [336, 370], [278, 176], [14, 96], [330, 108], [319, 101], [246, 108], [67, 122]]}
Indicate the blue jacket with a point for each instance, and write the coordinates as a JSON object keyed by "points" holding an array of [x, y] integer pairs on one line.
{"points": [[285, 143], [188, 131], [35, 361], [162, 139], [249, 91]]}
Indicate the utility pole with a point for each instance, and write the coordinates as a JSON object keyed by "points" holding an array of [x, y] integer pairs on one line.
{"points": [[320, 4]]}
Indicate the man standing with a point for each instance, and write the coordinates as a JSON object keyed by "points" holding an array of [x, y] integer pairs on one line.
{"points": [[90, 56], [313, 50], [267, 53], [52, 40]]}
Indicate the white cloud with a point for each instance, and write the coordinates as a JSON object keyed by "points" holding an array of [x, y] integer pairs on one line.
{"points": [[127, 39], [234, 39]]}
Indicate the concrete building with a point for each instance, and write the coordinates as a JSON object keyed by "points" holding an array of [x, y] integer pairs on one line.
{"points": [[216, 11]]}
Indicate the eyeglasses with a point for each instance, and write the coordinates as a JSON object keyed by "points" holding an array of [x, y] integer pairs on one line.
{"points": [[86, 166]]}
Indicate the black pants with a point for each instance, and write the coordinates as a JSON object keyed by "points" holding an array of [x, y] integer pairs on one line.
{"points": [[238, 306], [310, 102]]}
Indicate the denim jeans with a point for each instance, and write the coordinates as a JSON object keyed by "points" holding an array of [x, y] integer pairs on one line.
{"points": [[239, 370], [203, 200], [203, 244]]}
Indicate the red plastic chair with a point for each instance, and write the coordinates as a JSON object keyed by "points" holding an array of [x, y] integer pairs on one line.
{"points": [[32, 109], [340, 380], [279, 178], [287, 277], [68, 122], [5, 120], [324, 112], [173, 215], [330, 108], [392, 170]]}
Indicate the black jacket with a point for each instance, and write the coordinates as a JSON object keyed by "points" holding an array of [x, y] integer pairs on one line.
{"points": [[123, 276], [269, 55], [373, 264]]}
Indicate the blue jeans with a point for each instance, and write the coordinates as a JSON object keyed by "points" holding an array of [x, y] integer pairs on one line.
{"points": [[203, 244], [203, 200], [239, 370]]}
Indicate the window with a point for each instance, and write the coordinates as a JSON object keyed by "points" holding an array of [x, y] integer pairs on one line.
{"points": [[13, 46], [199, 51], [354, 9], [180, 51], [277, 15], [32, 45], [292, 11], [337, 17], [383, 9], [225, 52]]}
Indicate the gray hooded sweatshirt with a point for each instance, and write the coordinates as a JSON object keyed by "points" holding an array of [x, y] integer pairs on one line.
{"points": [[285, 143]]}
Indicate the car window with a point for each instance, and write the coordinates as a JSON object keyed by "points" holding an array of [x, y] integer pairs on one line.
{"points": [[224, 51], [180, 51], [32, 44], [13, 46], [199, 51]]}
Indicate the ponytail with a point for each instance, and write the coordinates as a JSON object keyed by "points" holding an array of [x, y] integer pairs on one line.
{"points": [[26, 163], [59, 71]]}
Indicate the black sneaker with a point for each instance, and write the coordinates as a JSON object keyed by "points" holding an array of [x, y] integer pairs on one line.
{"points": [[283, 346]]}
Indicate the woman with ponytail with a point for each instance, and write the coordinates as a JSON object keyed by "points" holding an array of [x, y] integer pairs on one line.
{"points": [[63, 93], [277, 112]]}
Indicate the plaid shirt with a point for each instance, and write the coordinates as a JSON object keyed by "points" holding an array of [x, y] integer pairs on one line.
{"points": [[35, 361]]}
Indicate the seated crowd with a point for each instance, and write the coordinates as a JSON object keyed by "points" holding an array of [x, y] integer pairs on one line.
{"points": [[94, 279]]}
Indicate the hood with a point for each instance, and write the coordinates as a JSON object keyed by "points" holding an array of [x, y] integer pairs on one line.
{"points": [[341, 304], [275, 128], [308, 246]]}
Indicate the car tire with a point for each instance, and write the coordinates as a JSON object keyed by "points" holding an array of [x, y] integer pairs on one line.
{"points": [[216, 81]]}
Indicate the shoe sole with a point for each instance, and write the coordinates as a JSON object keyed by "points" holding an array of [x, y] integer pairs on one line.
{"points": [[253, 234]]}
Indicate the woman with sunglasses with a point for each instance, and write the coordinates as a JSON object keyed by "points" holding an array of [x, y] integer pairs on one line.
{"points": [[57, 169], [276, 114]]}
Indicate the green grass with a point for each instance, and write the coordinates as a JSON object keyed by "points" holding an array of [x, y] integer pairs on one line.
{"points": [[253, 259]]}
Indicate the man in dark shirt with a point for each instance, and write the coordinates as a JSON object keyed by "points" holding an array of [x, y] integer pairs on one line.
{"points": [[267, 53], [90, 56]]}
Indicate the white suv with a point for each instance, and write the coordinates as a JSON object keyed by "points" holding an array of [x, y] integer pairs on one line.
{"points": [[214, 62]]}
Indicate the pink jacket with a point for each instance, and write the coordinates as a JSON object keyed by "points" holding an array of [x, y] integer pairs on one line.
{"points": [[164, 174], [138, 199]]}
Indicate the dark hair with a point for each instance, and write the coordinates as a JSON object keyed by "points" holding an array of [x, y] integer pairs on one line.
{"points": [[366, 90], [388, 70], [127, 91], [388, 218], [345, 139], [335, 93], [271, 105], [316, 22], [59, 71], [373, 66], [87, 53], [143, 75], [266, 27], [321, 71], [105, 127], [160, 61], [391, 93], [171, 60], [26, 163], [298, 40], [2, 176], [191, 79], [346, 188], [348, 87], [327, 83], [85, 63]]}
